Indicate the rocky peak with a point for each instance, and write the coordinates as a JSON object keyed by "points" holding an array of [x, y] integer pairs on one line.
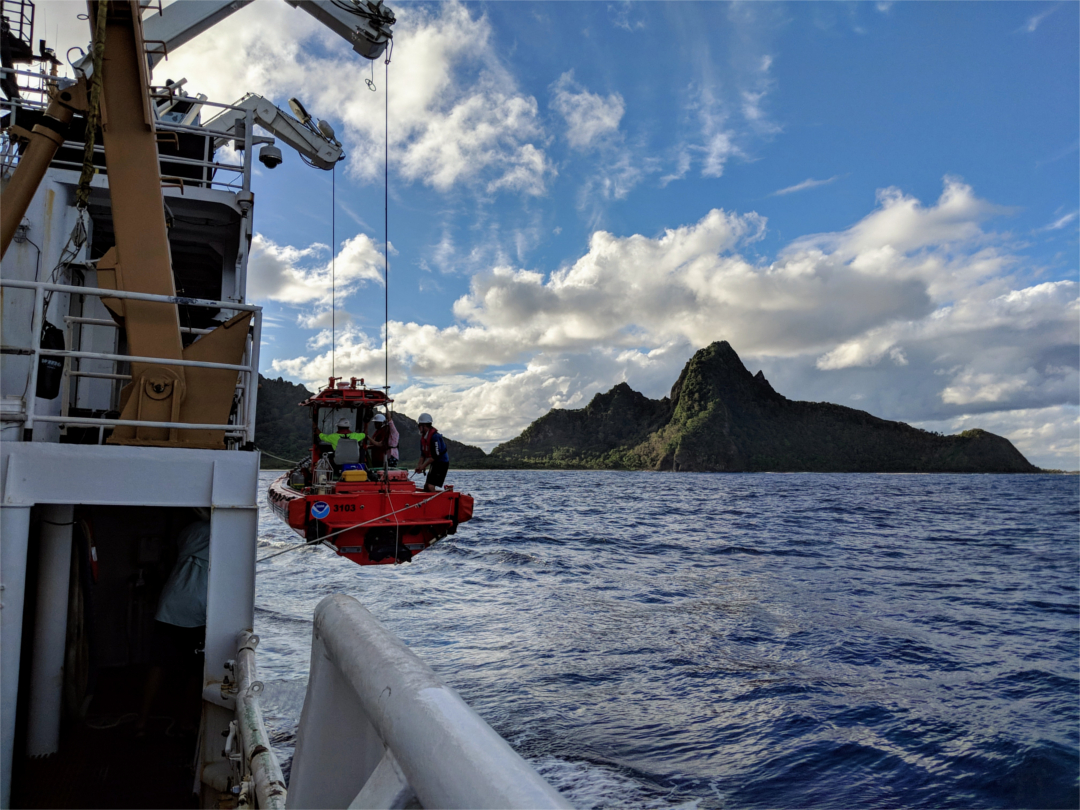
{"points": [[715, 374]]}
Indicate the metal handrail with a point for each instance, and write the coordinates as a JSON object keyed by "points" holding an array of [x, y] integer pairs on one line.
{"points": [[379, 729], [130, 358], [101, 292], [96, 422], [245, 429]]}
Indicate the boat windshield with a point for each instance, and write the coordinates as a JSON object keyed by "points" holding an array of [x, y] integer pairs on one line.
{"points": [[328, 419]]}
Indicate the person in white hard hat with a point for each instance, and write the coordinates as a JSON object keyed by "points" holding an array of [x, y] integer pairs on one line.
{"points": [[434, 457], [383, 442]]}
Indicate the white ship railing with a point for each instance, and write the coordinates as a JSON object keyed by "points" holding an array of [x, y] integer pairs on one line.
{"points": [[243, 430], [213, 174], [380, 729]]}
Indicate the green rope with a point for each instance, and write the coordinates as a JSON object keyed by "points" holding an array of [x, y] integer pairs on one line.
{"points": [[93, 115]]}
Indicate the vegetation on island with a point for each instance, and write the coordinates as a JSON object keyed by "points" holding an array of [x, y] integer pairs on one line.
{"points": [[718, 418]]}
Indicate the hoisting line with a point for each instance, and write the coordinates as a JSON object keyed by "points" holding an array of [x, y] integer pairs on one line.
{"points": [[333, 258], [386, 226]]}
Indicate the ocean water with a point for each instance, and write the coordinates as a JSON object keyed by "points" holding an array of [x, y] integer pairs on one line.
{"points": [[651, 640]]}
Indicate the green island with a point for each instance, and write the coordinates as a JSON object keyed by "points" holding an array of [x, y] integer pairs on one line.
{"points": [[718, 418]]}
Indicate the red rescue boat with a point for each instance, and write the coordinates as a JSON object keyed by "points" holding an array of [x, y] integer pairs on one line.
{"points": [[373, 516]]}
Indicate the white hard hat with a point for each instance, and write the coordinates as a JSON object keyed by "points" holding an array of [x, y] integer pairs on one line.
{"points": [[425, 419], [379, 418], [344, 423]]}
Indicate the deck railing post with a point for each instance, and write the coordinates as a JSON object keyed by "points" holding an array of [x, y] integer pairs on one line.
{"points": [[35, 347]]}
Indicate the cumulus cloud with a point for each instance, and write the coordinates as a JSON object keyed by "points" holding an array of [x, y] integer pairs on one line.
{"points": [[589, 116], [915, 313], [456, 114], [303, 275]]}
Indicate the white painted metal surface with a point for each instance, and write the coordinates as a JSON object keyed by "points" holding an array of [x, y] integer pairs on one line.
{"points": [[50, 631], [368, 694], [308, 141], [14, 537], [225, 481]]}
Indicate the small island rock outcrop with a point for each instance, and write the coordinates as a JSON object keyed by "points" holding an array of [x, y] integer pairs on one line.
{"points": [[720, 417]]}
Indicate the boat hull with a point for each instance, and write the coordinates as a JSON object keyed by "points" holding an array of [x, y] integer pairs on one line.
{"points": [[371, 523]]}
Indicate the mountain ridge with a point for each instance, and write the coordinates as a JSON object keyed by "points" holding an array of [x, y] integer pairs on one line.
{"points": [[720, 417]]}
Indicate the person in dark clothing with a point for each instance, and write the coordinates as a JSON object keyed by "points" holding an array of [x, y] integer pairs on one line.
{"points": [[434, 457], [180, 625]]}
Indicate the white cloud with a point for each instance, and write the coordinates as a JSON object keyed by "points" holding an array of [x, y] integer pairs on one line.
{"points": [[1034, 21], [916, 312], [303, 276], [456, 115], [810, 182], [620, 16], [1060, 222], [589, 117]]}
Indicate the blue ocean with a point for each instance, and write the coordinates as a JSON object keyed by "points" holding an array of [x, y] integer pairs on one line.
{"points": [[658, 640]]}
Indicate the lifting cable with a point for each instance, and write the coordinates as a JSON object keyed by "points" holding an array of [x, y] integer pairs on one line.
{"points": [[386, 226], [333, 257], [386, 284]]}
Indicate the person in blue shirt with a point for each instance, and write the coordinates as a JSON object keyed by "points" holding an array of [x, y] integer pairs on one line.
{"points": [[434, 457]]}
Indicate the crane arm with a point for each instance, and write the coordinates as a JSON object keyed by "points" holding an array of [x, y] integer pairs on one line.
{"points": [[322, 150], [311, 142], [365, 24], [182, 21]]}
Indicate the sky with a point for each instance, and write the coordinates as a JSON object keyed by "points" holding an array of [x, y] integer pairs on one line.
{"points": [[875, 203]]}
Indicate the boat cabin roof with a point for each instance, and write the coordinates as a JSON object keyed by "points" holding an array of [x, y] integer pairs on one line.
{"points": [[347, 395]]}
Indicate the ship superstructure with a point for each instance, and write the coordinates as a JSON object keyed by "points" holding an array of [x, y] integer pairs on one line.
{"points": [[129, 379]]}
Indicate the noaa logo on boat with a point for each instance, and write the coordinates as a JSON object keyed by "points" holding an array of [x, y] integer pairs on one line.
{"points": [[320, 509]]}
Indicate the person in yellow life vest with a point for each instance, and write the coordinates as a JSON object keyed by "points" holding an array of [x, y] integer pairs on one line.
{"points": [[343, 432]]}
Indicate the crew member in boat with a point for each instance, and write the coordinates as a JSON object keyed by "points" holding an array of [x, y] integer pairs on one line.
{"points": [[383, 442], [434, 457], [344, 431]]}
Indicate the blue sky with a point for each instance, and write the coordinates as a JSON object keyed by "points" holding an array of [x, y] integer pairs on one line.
{"points": [[875, 203]]}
